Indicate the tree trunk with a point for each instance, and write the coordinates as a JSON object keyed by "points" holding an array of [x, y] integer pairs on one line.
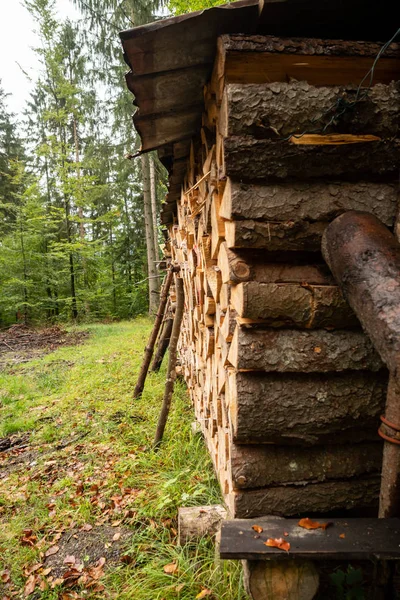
{"points": [[293, 305], [289, 350], [151, 255], [290, 408], [308, 201], [154, 212]]}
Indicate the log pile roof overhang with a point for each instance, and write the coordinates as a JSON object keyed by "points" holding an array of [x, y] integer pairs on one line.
{"points": [[171, 60]]}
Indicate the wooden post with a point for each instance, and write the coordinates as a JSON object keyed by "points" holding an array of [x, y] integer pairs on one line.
{"points": [[163, 341], [148, 353], [171, 374]]}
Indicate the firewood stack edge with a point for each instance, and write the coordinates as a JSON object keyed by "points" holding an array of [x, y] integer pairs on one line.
{"points": [[287, 388]]}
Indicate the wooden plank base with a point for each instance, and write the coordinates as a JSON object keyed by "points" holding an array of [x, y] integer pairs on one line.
{"points": [[347, 539]]}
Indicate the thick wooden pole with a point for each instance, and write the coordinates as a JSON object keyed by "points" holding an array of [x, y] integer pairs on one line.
{"points": [[148, 353], [171, 374]]}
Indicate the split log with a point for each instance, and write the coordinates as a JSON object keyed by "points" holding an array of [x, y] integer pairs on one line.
{"points": [[195, 522], [280, 109], [296, 305], [148, 353], [263, 466], [306, 499], [248, 159], [239, 266], [290, 350], [308, 201], [288, 236], [306, 409]]}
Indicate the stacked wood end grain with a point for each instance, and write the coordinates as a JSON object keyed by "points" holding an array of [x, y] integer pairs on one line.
{"points": [[287, 388]]}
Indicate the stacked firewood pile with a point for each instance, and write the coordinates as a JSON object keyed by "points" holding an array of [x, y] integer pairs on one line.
{"points": [[287, 388]]}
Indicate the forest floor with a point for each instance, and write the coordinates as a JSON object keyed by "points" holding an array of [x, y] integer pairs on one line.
{"points": [[87, 508]]}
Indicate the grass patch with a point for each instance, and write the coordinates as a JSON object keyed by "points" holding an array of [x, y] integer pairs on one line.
{"points": [[88, 468]]}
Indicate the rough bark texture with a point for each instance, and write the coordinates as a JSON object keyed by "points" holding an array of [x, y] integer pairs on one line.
{"points": [[308, 201], [288, 236], [289, 350], [163, 344], [249, 159], [273, 110], [239, 266], [303, 46], [306, 499], [277, 580], [300, 408], [297, 305], [262, 466]]}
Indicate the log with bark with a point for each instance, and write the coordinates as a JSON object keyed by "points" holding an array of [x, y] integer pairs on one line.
{"points": [[262, 466], [360, 493], [249, 159], [308, 201], [293, 305], [280, 109], [289, 350], [241, 265], [306, 408]]}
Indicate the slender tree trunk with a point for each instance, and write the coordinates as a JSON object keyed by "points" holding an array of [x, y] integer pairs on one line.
{"points": [[151, 255], [153, 191], [114, 292], [21, 232]]}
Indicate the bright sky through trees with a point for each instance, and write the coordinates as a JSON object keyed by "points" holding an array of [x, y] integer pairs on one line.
{"points": [[16, 41]]}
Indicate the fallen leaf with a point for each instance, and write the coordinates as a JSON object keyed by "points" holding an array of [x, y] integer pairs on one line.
{"points": [[126, 559], [179, 587], [309, 524], [342, 535], [116, 537], [30, 585], [170, 569], [5, 577], [203, 594], [257, 528], [51, 551], [69, 560], [279, 543], [285, 533], [317, 350], [87, 527]]}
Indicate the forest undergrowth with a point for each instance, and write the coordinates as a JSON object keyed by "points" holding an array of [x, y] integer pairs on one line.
{"points": [[87, 508]]}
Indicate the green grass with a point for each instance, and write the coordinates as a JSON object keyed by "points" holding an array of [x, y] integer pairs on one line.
{"points": [[86, 433]]}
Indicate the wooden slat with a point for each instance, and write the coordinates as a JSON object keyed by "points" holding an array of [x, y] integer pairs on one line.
{"points": [[361, 539]]}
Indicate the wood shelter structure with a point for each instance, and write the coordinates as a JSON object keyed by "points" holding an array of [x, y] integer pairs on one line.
{"points": [[272, 119]]}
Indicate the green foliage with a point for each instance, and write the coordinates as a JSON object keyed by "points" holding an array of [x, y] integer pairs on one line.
{"points": [[86, 431], [177, 7]]}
